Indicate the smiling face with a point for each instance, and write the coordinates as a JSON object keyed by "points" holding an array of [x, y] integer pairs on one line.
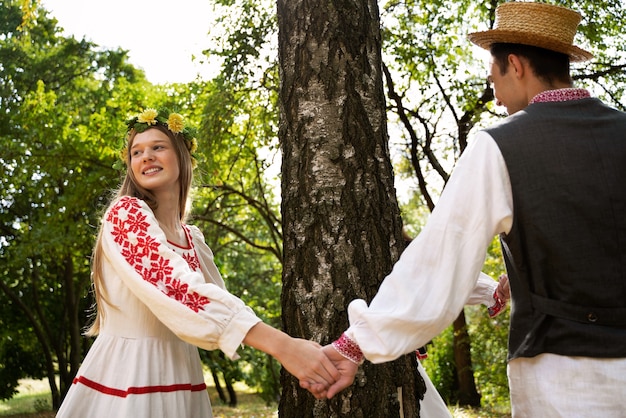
{"points": [[154, 162]]}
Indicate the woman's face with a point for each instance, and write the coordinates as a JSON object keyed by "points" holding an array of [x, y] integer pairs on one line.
{"points": [[154, 162]]}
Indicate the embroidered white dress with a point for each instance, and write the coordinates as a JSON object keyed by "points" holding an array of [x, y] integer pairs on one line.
{"points": [[165, 301]]}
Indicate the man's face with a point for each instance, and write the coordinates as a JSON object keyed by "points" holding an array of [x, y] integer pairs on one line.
{"points": [[507, 88]]}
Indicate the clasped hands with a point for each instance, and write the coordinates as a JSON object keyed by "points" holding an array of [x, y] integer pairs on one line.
{"points": [[320, 370], [324, 372]]}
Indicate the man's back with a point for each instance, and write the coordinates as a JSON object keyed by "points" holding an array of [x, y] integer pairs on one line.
{"points": [[566, 251]]}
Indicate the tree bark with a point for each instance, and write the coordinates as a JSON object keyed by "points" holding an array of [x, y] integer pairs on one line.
{"points": [[341, 222]]}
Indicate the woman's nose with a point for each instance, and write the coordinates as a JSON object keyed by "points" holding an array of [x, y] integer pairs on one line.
{"points": [[148, 155]]}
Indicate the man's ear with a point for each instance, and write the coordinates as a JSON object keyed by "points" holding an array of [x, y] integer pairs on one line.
{"points": [[518, 64]]}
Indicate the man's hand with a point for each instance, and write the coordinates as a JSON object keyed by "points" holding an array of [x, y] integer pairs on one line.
{"points": [[346, 368], [503, 291]]}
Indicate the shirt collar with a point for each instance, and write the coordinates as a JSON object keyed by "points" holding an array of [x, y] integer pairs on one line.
{"points": [[560, 95]]}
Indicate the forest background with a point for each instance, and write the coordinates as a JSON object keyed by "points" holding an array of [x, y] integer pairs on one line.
{"points": [[63, 103]]}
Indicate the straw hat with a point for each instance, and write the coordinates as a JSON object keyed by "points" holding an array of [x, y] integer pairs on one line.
{"points": [[536, 24]]}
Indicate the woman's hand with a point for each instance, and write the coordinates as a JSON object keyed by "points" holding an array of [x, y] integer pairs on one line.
{"points": [[302, 358]]}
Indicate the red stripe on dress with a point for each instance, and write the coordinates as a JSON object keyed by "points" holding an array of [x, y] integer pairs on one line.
{"points": [[140, 390]]}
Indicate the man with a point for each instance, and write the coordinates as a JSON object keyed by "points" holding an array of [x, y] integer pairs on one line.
{"points": [[550, 180]]}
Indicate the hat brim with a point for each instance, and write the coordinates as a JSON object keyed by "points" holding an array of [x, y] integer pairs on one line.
{"points": [[486, 38]]}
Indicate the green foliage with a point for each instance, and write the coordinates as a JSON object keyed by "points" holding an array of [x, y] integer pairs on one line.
{"points": [[242, 40], [489, 356], [440, 365], [19, 357], [490, 341], [59, 124], [437, 86], [236, 203], [236, 207], [489, 351], [63, 103]]}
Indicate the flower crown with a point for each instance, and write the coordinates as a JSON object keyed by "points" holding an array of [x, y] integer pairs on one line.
{"points": [[174, 122]]}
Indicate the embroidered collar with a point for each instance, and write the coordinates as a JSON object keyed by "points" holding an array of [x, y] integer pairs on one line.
{"points": [[560, 95]]}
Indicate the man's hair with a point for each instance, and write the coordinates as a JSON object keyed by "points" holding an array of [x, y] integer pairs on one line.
{"points": [[550, 66]]}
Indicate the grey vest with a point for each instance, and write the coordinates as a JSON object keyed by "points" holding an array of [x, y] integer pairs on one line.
{"points": [[566, 251]]}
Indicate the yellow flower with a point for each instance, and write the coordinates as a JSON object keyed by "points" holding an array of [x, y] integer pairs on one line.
{"points": [[148, 116], [175, 123], [194, 145], [124, 154]]}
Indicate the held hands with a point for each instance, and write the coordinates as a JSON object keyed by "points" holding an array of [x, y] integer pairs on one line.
{"points": [[306, 361], [302, 358], [346, 368], [323, 371]]}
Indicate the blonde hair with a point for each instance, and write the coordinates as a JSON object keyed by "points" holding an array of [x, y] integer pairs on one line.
{"points": [[130, 187]]}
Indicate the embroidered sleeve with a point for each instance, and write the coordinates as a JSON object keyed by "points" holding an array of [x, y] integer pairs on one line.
{"points": [[349, 349], [201, 313], [141, 252]]}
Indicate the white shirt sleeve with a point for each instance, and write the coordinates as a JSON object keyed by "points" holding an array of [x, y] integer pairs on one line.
{"points": [[436, 273], [483, 291], [200, 313]]}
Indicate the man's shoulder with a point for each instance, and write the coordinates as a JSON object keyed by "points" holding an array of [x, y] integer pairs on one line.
{"points": [[558, 114]]}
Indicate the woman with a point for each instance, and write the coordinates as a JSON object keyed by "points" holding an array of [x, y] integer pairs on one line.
{"points": [[159, 294]]}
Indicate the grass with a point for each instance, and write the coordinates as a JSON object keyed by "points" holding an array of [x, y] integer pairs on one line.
{"points": [[33, 401]]}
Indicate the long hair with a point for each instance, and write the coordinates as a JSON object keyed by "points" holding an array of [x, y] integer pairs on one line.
{"points": [[130, 187]]}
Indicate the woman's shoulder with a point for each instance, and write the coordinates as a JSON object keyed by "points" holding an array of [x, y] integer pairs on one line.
{"points": [[127, 205], [195, 232], [198, 239]]}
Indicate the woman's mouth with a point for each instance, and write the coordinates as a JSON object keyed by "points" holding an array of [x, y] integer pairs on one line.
{"points": [[152, 170]]}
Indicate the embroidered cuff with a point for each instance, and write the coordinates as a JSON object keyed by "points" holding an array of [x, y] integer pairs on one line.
{"points": [[349, 349], [497, 307], [421, 353]]}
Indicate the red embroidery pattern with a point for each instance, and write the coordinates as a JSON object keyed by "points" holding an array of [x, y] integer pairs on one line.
{"points": [[497, 307], [349, 349], [192, 260], [192, 257], [141, 251], [560, 95]]}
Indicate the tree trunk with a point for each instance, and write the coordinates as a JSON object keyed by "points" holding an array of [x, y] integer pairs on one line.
{"points": [[468, 394], [341, 221]]}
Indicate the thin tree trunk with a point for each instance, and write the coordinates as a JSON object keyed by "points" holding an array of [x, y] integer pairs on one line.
{"points": [[341, 221], [468, 394]]}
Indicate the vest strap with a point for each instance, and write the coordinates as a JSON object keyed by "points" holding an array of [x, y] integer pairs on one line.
{"points": [[612, 317]]}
